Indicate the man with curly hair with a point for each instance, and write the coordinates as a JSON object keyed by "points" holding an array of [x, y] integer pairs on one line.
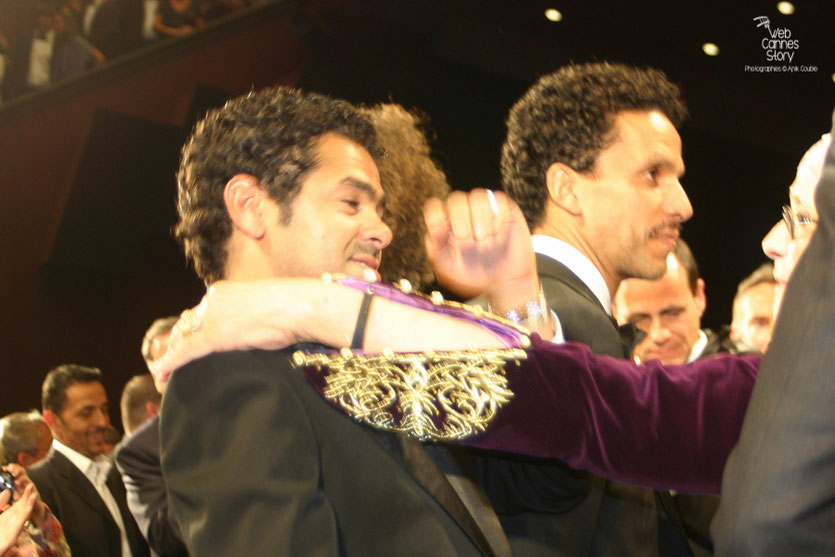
{"points": [[593, 159], [281, 183]]}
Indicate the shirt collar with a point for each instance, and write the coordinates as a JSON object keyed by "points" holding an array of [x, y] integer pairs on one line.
{"points": [[698, 347], [92, 468], [577, 263]]}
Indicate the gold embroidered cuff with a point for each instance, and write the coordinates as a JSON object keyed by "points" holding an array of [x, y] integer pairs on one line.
{"points": [[442, 396]]}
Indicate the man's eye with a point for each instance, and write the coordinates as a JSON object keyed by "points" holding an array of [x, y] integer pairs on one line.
{"points": [[352, 203], [641, 322]]}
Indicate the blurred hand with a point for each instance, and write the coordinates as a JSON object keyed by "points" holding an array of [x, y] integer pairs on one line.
{"points": [[21, 483], [480, 245], [15, 516]]}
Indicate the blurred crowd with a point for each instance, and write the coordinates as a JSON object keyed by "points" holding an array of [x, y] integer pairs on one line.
{"points": [[45, 41]]}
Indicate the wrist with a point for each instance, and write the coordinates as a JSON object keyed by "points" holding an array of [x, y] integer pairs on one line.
{"points": [[529, 310], [507, 295]]}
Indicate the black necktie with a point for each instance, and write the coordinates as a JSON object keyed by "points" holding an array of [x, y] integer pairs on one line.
{"points": [[630, 335]]}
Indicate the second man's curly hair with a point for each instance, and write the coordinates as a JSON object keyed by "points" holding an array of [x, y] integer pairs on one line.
{"points": [[567, 116], [270, 134]]}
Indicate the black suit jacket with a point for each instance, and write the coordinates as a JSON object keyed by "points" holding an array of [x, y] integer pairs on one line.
{"points": [[257, 463], [778, 491], [88, 526], [137, 457], [552, 510]]}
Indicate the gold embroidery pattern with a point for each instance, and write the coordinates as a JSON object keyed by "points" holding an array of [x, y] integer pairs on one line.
{"points": [[443, 396]]}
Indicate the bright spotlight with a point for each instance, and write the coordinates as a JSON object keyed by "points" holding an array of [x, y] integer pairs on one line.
{"points": [[785, 8], [710, 49], [553, 15]]}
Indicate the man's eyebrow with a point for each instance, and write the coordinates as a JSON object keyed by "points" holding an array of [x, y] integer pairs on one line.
{"points": [[366, 188], [664, 162], [637, 315]]}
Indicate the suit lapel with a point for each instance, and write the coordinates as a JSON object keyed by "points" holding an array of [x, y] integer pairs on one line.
{"points": [[550, 268], [76, 482]]}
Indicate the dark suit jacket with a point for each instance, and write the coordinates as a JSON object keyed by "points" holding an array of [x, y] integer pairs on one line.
{"points": [[697, 511], [137, 457], [778, 491], [88, 526], [257, 463], [565, 512]]}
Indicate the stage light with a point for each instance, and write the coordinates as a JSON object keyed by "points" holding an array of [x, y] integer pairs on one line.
{"points": [[785, 8], [710, 49], [553, 15]]}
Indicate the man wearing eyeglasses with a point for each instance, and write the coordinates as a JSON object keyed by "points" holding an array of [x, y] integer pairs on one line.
{"points": [[778, 490]]}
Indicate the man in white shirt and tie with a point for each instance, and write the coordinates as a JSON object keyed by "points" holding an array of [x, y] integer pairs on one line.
{"points": [[76, 480]]}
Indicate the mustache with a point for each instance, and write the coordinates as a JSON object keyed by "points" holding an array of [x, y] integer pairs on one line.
{"points": [[365, 249], [666, 228]]}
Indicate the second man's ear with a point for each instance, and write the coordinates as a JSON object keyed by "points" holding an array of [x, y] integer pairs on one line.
{"points": [[244, 199], [561, 181]]}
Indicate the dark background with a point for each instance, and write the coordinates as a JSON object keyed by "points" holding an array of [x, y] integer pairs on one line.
{"points": [[86, 169]]}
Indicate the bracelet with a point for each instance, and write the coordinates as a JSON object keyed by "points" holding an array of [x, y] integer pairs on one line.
{"points": [[532, 313], [362, 321]]}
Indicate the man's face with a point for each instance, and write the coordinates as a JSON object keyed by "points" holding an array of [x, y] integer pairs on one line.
{"points": [[82, 422], [753, 319], [632, 203], [336, 224], [779, 246], [667, 310]]}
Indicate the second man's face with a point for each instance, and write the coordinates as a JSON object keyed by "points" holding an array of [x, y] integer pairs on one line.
{"points": [[633, 202]]}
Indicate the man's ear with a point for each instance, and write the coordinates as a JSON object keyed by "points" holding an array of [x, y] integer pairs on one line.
{"points": [[25, 459], [244, 199], [49, 418], [151, 409], [561, 181], [701, 298]]}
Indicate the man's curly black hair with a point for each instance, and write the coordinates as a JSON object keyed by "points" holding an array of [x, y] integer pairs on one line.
{"points": [[271, 134], [568, 116]]}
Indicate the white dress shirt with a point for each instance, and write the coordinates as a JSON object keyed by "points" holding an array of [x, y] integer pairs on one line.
{"points": [[578, 264], [698, 347]]}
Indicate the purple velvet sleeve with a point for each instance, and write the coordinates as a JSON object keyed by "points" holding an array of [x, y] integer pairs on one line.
{"points": [[665, 427]]}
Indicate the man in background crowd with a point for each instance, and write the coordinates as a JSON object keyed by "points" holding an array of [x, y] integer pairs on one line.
{"points": [[26, 438], [75, 479], [753, 309], [138, 455], [669, 310]]}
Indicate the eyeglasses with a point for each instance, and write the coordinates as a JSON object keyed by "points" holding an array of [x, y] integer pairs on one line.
{"points": [[792, 221]]}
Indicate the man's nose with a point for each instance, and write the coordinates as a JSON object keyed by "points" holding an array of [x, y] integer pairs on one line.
{"points": [[775, 243], [374, 230], [678, 204], [101, 419], [658, 332]]}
